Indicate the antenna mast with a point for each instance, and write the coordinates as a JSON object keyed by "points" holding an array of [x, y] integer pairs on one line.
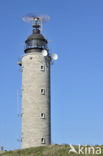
{"points": [[37, 21]]}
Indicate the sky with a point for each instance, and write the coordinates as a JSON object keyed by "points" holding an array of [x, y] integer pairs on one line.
{"points": [[75, 32]]}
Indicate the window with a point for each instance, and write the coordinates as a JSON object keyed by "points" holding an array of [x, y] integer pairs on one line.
{"points": [[42, 141], [42, 115], [42, 68], [30, 58], [42, 91]]}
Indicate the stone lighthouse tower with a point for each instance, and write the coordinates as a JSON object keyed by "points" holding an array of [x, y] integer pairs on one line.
{"points": [[36, 123]]}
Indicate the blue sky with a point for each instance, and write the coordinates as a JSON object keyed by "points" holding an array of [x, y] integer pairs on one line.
{"points": [[76, 31]]}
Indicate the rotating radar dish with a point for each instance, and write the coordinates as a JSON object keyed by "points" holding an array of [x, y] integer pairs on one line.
{"points": [[36, 21]]}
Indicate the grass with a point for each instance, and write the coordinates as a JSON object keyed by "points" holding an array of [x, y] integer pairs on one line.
{"points": [[53, 150]]}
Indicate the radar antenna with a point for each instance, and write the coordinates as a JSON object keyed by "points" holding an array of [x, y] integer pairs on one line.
{"points": [[37, 21]]}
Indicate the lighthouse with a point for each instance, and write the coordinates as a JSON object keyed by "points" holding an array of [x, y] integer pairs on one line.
{"points": [[36, 103]]}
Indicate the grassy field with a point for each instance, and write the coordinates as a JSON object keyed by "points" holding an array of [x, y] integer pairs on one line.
{"points": [[53, 150]]}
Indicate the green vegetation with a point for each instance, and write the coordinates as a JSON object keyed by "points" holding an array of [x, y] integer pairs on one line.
{"points": [[53, 150]]}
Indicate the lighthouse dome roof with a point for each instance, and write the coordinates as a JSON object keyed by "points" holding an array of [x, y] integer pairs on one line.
{"points": [[36, 36], [35, 41]]}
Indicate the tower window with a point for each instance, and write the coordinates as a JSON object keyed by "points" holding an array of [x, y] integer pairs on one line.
{"points": [[42, 141], [42, 91], [42, 68], [30, 58], [42, 115]]}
